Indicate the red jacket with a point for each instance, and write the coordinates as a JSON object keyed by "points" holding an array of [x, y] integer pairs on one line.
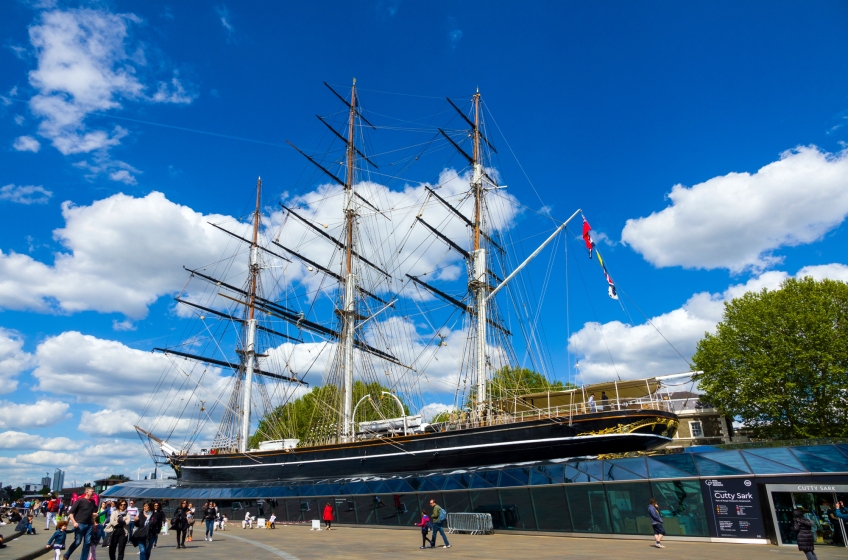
{"points": [[328, 513]]}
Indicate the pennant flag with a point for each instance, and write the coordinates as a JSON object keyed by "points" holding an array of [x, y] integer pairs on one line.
{"points": [[587, 237], [611, 290]]}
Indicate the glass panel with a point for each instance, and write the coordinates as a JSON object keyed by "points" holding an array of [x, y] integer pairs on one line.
{"points": [[345, 510], [293, 511], [478, 481], [553, 473], [399, 485], [508, 480], [518, 509], [710, 468], [409, 510], [457, 502], [828, 452], [488, 501], [615, 472], [457, 482], [682, 507], [386, 510], [537, 477], [814, 463], [594, 469], [636, 465], [414, 483], [843, 448], [379, 487], [365, 513], [306, 490], [326, 489], [661, 470], [427, 484], [730, 458], [520, 475], [764, 466], [489, 476], [588, 508], [780, 455], [551, 515], [438, 482], [573, 475], [357, 488], [628, 505], [679, 461], [783, 507]]}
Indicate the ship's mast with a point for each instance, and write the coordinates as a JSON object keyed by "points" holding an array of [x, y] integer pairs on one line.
{"points": [[478, 283], [349, 304], [250, 339]]}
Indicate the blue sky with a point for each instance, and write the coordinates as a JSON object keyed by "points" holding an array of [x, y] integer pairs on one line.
{"points": [[606, 106]]}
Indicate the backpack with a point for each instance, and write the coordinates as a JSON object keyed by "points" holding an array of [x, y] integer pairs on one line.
{"points": [[444, 515]]}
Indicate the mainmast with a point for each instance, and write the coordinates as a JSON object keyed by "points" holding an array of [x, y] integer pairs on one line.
{"points": [[250, 339], [349, 304], [479, 284]]}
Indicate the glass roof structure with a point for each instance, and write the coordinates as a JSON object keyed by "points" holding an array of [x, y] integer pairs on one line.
{"points": [[706, 463]]}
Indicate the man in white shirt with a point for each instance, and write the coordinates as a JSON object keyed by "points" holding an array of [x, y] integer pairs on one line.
{"points": [[248, 521], [272, 521]]}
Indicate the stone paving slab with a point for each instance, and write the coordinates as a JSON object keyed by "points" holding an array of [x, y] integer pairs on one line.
{"points": [[299, 542]]}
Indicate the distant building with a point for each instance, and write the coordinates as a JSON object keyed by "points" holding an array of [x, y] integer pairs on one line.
{"points": [[700, 422], [104, 483], [45, 482], [31, 487], [58, 481]]}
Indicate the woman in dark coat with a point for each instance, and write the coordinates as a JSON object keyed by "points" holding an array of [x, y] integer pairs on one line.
{"points": [[180, 523], [803, 530]]}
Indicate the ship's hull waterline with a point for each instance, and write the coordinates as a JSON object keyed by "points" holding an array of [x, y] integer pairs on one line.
{"points": [[535, 440]]}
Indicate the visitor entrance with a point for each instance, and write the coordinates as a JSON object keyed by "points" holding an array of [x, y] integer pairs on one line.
{"points": [[817, 502]]}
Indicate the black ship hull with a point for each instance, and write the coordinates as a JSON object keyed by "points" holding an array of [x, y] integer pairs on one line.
{"points": [[535, 440]]}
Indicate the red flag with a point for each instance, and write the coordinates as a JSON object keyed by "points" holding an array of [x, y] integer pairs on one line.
{"points": [[587, 237]]}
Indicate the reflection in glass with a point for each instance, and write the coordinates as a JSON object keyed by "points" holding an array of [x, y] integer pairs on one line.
{"points": [[680, 461], [345, 509], [487, 501], [551, 509], [365, 510], [517, 509], [457, 502], [588, 508], [682, 507], [385, 509], [628, 505], [708, 467], [408, 508]]}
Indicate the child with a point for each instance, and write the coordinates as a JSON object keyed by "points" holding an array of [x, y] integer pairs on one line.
{"points": [[96, 531], [425, 528], [58, 540]]}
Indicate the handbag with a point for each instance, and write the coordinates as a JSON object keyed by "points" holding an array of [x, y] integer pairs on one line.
{"points": [[139, 535], [107, 539]]}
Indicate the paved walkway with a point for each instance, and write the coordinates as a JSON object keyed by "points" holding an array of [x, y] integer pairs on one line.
{"points": [[298, 542]]}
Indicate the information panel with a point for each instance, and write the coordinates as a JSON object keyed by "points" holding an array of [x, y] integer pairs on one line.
{"points": [[733, 508]]}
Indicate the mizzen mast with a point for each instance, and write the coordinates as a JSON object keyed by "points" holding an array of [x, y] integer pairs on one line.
{"points": [[250, 338], [348, 312]]}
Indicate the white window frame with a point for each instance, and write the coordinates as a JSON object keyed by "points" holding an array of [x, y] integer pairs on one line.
{"points": [[692, 429]]}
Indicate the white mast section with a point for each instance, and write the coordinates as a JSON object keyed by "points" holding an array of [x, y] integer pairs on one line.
{"points": [[349, 305], [478, 283], [250, 339]]}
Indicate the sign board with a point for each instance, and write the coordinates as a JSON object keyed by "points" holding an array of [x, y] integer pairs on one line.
{"points": [[316, 525], [733, 508]]}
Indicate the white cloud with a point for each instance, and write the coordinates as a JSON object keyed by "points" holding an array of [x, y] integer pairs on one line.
{"points": [[87, 62], [736, 221], [123, 176], [25, 194], [41, 414], [22, 440], [26, 144], [640, 351], [108, 422], [224, 15], [123, 253], [13, 360], [430, 411]]}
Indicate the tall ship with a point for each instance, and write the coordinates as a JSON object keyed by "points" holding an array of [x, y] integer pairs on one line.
{"points": [[310, 347]]}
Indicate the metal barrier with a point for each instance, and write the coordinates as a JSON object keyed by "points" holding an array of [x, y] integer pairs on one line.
{"points": [[474, 523]]}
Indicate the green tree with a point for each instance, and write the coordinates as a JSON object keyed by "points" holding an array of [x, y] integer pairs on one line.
{"points": [[313, 418], [18, 493], [509, 382], [779, 360]]}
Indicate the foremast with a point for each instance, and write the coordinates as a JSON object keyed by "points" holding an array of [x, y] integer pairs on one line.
{"points": [[250, 327]]}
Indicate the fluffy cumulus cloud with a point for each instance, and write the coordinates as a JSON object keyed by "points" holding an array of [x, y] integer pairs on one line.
{"points": [[13, 360], [25, 194], [632, 352], [122, 254], [26, 144], [737, 220], [23, 440], [40, 414], [87, 63]]}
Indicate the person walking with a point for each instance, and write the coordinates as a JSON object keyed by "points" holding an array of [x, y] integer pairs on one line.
{"points": [[141, 535], [81, 516], [328, 515], [157, 519], [117, 528], [57, 541], [656, 522], [437, 518], [132, 514], [180, 523], [52, 510], [210, 513], [803, 529], [425, 528], [190, 519]]}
